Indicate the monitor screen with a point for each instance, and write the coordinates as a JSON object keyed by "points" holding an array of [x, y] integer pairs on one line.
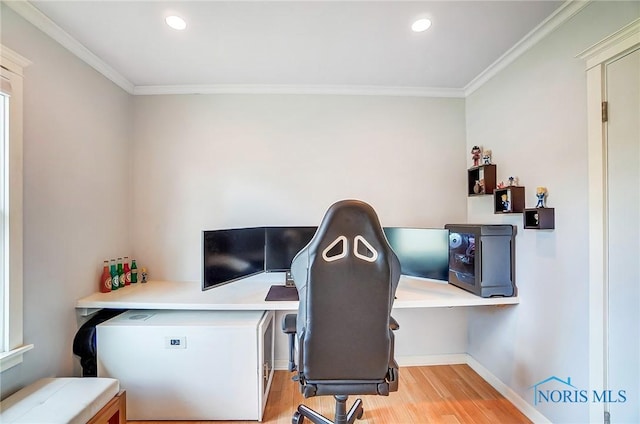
{"points": [[423, 252], [283, 243], [231, 254]]}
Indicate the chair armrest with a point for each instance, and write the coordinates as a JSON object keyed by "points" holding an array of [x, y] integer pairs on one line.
{"points": [[393, 324], [289, 323]]}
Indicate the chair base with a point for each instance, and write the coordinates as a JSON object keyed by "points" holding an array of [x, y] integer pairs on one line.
{"points": [[342, 416]]}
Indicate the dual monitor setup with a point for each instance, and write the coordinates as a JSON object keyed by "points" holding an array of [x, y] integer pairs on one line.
{"points": [[477, 258]]}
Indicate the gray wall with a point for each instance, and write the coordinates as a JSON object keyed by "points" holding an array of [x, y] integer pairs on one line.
{"points": [[224, 161], [205, 162], [76, 193], [533, 116]]}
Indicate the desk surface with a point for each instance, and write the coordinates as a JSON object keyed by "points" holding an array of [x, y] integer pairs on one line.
{"points": [[249, 293]]}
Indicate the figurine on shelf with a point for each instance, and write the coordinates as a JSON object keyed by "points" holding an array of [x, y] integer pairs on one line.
{"points": [[145, 274], [513, 181], [476, 152], [477, 188], [486, 157], [506, 205], [541, 193], [500, 184]]}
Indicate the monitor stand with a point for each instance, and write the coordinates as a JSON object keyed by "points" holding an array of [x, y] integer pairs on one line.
{"points": [[288, 282], [286, 292]]}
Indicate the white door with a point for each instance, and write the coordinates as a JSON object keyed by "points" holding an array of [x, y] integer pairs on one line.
{"points": [[622, 326]]}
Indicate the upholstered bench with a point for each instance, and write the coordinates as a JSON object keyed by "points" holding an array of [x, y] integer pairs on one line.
{"points": [[66, 400]]}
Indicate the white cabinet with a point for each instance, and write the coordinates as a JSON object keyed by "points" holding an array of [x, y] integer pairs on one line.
{"points": [[189, 365]]}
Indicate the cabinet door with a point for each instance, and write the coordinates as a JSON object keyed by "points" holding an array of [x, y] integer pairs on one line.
{"points": [[266, 334]]}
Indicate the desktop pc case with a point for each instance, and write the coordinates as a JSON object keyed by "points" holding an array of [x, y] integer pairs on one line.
{"points": [[482, 258]]}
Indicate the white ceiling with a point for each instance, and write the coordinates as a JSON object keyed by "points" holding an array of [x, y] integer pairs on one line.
{"points": [[301, 43]]}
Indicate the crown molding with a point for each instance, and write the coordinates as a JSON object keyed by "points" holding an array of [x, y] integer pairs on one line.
{"points": [[560, 16], [346, 90], [615, 44], [46, 25]]}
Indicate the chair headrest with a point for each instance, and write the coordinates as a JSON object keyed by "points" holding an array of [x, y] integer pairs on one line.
{"points": [[349, 227]]}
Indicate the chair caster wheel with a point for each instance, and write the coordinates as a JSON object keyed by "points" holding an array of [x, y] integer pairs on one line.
{"points": [[297, 418]]}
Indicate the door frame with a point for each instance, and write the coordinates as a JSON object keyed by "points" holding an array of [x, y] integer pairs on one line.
{"points": [[597, 57]]}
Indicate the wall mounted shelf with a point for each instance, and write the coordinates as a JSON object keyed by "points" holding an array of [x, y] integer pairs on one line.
{"points": [[513, 202], [486, 173], [539, 218], [482, 181]]}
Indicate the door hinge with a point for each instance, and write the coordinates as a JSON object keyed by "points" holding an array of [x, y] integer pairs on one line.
{"points": [[605, 111]]}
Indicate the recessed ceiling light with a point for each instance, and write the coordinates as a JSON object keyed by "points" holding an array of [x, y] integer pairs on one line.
{"points": [[176, 22], [421, 25]]}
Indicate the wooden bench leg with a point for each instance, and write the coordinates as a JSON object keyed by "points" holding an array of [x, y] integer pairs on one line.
{"points": [[114, 412]]}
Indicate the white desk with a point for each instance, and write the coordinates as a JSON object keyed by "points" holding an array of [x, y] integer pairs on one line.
{"points": [[249, 293]]}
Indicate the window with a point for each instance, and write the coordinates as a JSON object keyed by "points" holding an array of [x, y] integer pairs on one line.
{"points": [[11, 342]]}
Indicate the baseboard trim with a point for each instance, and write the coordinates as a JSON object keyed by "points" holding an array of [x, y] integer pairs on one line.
{"points": [[423, 360], [462, 358], [523, 406], [281, 364]]}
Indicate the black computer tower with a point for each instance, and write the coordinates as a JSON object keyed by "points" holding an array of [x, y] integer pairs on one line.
{"points": [[482, 258]]}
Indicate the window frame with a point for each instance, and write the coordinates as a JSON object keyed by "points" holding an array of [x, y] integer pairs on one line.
{"points": [[12, 346]]}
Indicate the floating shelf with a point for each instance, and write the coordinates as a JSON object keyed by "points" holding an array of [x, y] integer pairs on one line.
{"points": [[478, 173], [539, 218], [513, 202]]}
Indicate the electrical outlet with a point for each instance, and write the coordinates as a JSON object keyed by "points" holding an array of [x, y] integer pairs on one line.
{"points": [[175, 342]]}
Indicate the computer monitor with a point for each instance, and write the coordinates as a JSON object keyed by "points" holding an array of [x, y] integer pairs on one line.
{"points": [[231, 254], [282, 244], [423, 252]]}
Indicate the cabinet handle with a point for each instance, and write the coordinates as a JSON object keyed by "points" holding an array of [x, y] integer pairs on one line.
{"points": [[265, 371]]}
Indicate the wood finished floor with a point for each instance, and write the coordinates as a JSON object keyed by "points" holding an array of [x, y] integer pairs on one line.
{"points": [[448, 394]]}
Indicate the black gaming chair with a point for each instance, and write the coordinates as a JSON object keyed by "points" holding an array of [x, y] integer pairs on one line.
{"points": [[346, 279]]}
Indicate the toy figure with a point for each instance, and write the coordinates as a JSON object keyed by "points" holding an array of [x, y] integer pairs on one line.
{"points": [[144, 274], [513, 181], [486, 157], [475, 155], [541, 192], [506, 205], [500, 184]]}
